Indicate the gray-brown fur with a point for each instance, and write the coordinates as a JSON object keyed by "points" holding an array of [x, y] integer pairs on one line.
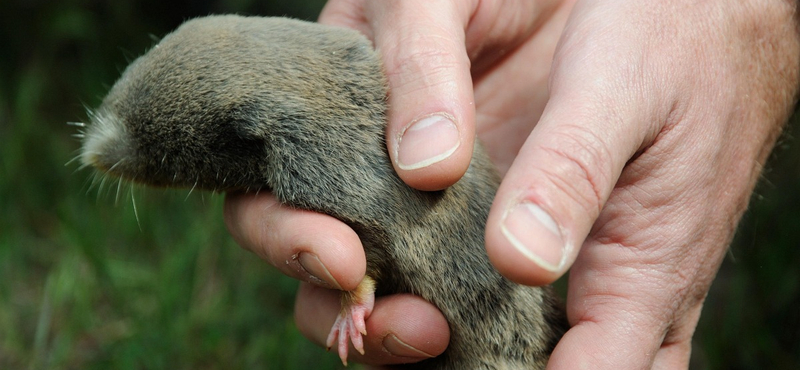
{"points": [[297, 108]]}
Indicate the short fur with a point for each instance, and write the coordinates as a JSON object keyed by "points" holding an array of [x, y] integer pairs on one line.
{"points": [[298, 108]]}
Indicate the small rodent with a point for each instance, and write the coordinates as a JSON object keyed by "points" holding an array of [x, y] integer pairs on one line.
{"points": [[298, 108]]}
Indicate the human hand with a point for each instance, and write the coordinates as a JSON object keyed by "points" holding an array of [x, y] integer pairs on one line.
{"points": [[329, 254], [660, 118], [326, 254], [637, 127]]}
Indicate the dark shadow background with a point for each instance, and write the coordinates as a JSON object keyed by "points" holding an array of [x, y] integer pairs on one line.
{"points": [[85, 285]]}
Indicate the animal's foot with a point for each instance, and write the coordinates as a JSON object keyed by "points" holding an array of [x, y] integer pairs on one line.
{"points": [[356, 307]]}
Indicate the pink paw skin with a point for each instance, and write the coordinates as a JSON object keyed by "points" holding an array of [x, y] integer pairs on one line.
{"points": [[351, 322]]}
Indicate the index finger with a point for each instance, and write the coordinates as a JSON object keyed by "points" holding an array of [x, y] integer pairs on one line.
{"points": [[306, 245]]}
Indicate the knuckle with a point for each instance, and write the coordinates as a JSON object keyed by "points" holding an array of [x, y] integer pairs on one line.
{"points": [[580, 167], [422, 61]]}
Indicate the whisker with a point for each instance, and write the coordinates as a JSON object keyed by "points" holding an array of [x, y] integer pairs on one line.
{"points": [[114, 166], [135, 210], [119, 186], [102, 185], [191, 190], [89, 183], [75, 158], [82, 166]]}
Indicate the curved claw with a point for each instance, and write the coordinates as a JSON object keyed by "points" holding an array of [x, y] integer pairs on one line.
{"points": [[351, 322]]}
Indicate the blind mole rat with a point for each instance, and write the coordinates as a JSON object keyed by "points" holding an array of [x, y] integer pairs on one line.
{"points": [[298, 108]]}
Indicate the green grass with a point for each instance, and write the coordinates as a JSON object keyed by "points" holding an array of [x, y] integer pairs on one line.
{"points": [[89, 287], [85, 285], [97, 292]]}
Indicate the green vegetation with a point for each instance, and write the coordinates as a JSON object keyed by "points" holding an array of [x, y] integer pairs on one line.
{"points": [[84, 284]]}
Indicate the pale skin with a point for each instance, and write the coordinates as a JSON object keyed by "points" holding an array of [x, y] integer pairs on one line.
{"points": [[630, 135]]}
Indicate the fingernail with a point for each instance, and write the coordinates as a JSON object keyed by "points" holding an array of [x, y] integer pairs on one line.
{"points": [[397, 347], [317, 271], [535, 234], [427, 141]]}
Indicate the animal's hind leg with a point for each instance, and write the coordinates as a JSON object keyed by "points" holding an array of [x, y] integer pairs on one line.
{"points": [[356, 307]]}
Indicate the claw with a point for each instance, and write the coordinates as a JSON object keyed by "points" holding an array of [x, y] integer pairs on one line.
{"points": [[351, 322]]}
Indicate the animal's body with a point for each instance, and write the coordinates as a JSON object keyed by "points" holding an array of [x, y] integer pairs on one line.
{"points": [[296, 108]]}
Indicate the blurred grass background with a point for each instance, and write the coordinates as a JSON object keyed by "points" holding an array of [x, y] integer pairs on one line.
{"points": [[83, 285]]}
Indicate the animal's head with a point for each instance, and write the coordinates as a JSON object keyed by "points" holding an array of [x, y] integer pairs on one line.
{"points": [[219, 91]]}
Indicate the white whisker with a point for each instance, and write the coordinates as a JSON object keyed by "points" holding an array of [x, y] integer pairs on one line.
{"points": [[135, 211], [114, 166], [102, 185], [191, 190], [82, 166], [119, 186], [69, 162], [89, 183]]}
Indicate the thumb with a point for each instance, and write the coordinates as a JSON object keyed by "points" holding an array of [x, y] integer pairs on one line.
{"points": [[430, 132], [564, 173]]}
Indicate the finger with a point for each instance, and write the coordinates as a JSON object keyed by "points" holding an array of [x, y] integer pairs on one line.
{"points": [[305, 245], [613, 327], [676, 350], [401, 329], [429, 50], [598, 116], [431, 117], [673, 355], [615, 343], [620, 322], [623, 336], [346, 13]]}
